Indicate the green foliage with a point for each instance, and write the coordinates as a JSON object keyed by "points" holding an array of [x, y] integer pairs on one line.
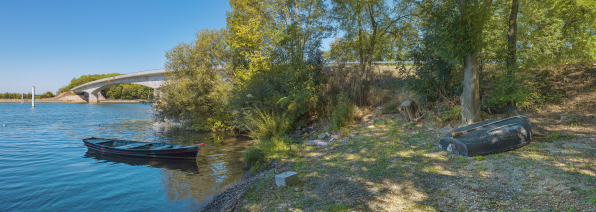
{"points": [[128, 91], [253, 156], [452, 113], [45, 95], [557, 31], [343, 114], [435, 78], [372, 30], [25, 96], [84, 79], [264, 125], [194, 92], [592, 200], [570, 136], [286, 90], [553, 137], [501, 90], [272, 32], [455, 30], [276, 147], [121, 91], [14, 96], [479, 158]]}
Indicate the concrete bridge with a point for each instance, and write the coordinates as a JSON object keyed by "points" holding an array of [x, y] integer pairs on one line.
{"points": [[151, 78]]}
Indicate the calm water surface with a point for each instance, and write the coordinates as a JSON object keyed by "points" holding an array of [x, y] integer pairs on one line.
{"points": [[44, 165]]}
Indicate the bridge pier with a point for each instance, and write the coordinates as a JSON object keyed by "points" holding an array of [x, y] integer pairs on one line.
{"points": [[93, 98]]}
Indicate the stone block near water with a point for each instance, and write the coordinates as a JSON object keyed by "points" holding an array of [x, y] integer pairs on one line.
{"points": [[286, 179]]}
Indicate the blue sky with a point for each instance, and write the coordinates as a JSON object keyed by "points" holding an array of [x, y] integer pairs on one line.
{"points": [[47, 43]]}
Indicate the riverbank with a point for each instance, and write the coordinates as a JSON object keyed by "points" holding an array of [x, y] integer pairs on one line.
{"points": [[386, 164]]}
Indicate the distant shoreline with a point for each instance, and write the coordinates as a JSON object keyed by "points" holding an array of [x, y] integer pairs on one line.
{"points": [[64, 101]]}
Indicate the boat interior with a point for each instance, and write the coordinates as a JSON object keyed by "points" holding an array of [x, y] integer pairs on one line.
{"points": [[134, 145]]}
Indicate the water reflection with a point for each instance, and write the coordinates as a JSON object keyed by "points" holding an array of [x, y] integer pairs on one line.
{"points": [[196, 181], [172, 164]]}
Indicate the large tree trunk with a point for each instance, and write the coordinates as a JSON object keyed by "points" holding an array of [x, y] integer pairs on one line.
{"points": [[470, 98], [511, 38]]}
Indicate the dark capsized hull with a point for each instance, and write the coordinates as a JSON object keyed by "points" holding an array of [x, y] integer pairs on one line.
{"points": [[488, 137], [141, 149]]}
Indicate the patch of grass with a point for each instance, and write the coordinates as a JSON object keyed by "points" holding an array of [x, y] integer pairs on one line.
{"points": [[343, 115], [570, 136], [592, 200], [479, 158], [569, 209], [339, 207], [460, 207], [553, 137]]}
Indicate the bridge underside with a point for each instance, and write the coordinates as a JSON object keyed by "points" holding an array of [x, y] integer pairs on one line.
{"points": [[92, 91]]}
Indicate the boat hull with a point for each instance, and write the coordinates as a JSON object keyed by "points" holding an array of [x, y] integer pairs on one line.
{"points": [[178, 152], [488, 137]]}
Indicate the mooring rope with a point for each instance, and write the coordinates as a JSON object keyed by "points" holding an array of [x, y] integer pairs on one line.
{"points": [[512, 106]]}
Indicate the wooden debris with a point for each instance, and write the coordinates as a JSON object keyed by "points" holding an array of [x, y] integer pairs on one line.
{"points": [[409, 111]]}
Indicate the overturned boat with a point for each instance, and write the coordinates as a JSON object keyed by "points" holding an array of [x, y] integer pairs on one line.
{"points": [[488, 137], [142, 149]]}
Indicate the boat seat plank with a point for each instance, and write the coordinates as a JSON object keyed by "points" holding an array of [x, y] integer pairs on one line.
{"points": [[163, 147], [130, 146]]}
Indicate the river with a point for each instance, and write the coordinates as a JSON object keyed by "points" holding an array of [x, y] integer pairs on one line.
{"points": [[44, 165]]}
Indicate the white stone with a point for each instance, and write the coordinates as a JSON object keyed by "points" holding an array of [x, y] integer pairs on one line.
{"points": [[286, 179], [316, 142], [322, 135]]}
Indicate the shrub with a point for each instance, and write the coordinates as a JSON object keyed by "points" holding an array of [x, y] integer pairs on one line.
{"points": [[502, 90], [433, 76], [452, 113], [266, 125], [290, 91], [253, 156], [343, 114]]}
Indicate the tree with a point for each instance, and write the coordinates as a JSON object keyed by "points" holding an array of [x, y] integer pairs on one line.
{"points": [[512, 38], [472, 10], [84, 79], [194, 92], [366, 23], [457, 36], [266, 33]]}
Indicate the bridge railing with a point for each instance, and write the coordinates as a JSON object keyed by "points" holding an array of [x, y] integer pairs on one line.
{"points": [[120, 77]]}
